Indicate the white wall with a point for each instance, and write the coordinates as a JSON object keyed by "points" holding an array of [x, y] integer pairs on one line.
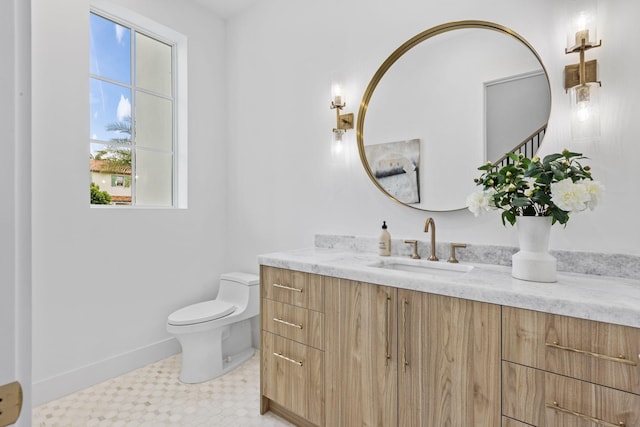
{"points": [[7, 193], [94, 318], [282, 56], [15, 196]]}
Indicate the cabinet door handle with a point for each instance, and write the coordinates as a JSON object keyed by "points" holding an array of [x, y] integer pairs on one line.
{"points": [[288, 288], [405, 359], [556, 406], [284, 322], [387, 342], [619, 359], [281, 356]]}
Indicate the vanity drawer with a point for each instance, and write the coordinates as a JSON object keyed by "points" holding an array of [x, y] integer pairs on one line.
{"points": [[296, 323], [568, 400], [598, 352], [292, 376], [544, 399], [292, 287]]}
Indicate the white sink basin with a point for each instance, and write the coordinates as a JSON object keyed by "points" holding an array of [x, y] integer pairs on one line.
{"points": [[438, 268]]}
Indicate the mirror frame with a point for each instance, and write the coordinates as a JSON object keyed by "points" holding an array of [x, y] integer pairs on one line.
{"points": [[406, 47]]}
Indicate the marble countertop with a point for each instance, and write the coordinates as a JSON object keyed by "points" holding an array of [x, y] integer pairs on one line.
{"points": [[602, 298]]}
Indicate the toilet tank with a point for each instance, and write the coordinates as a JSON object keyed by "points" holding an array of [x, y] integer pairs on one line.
{"points": [[241, 290]]}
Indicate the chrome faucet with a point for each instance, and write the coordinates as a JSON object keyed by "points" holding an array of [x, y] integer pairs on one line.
{"points": [[430, 220]]}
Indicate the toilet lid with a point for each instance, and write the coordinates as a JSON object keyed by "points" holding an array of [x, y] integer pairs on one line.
{"points": [[201, 312]]}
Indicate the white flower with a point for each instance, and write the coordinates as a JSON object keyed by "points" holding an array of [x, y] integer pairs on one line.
{"points": [[570, 196], [595, 190], [480, 201]]}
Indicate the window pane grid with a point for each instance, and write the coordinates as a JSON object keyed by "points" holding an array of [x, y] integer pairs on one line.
{"points": [[108, 80], [154, 196]]}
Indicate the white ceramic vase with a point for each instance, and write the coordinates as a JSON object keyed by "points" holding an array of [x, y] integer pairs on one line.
{"points": [[533, 262]]}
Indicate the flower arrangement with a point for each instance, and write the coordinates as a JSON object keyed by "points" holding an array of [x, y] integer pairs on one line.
{"points": [[554, 186]]}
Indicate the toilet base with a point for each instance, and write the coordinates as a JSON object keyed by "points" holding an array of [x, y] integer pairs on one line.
{"points": [[232, 362], [204, 358]]}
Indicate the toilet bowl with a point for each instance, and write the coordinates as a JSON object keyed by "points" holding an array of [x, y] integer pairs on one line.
{"points": [[215, 335]]}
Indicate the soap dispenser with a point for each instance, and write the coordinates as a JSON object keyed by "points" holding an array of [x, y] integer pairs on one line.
{"points": [[385, 241]]}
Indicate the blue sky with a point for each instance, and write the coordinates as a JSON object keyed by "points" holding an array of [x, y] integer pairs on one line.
{"points": [[110, 57]]}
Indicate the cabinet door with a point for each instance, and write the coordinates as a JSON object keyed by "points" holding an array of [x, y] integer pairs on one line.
{"points": [[360, 354], [452, 375]]}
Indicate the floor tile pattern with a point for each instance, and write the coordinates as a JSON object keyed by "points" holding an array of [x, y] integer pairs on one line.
{"points": [[152, 396]]}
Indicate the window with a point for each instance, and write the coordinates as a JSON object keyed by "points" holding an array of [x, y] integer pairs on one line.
{"points": [[136, 151], [119, 180]]}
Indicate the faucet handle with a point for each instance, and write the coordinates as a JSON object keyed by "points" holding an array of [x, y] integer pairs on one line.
{"points": [[415, 248], [452, 258]]}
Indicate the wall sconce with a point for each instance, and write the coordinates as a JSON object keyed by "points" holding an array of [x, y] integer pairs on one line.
{"points": [[582, 78], [344, 122]]}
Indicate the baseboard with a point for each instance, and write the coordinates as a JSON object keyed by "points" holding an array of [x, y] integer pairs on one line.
{"points": [[68, 382]]}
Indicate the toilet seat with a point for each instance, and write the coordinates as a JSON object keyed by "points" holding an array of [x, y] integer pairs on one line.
{"points": [[201, 312]]}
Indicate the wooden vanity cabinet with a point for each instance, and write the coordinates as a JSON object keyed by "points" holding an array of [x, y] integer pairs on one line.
{"points": [[561, 371], [292, 345], [341, 353], [407, 358]]}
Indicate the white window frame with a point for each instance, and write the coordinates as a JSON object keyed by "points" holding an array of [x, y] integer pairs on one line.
{"points": [[180, 129]]}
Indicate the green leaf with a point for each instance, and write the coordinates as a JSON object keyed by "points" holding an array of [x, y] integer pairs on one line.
{"points": [[569, 154], [551, 157], [508, 216], [520, 201], [513, 157], [559, 215]]}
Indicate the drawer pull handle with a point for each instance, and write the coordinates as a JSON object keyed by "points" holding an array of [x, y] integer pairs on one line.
{"points": [[288, 288], [387, 349], [619, 359], [284, 322], [281, 356], [556, 406], [405, 358]]}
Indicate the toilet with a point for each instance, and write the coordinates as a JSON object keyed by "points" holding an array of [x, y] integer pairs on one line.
{"points": [[216, 335]]}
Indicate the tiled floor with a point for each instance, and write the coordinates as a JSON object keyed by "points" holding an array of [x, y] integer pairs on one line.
{"points": [[153, 397]]}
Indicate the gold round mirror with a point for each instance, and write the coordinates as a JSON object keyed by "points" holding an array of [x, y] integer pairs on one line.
{"points": [[439, 107]]}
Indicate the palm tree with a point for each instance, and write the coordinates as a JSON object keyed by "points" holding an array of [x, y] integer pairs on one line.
{"points": [[118, 160], [123, 127]]}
